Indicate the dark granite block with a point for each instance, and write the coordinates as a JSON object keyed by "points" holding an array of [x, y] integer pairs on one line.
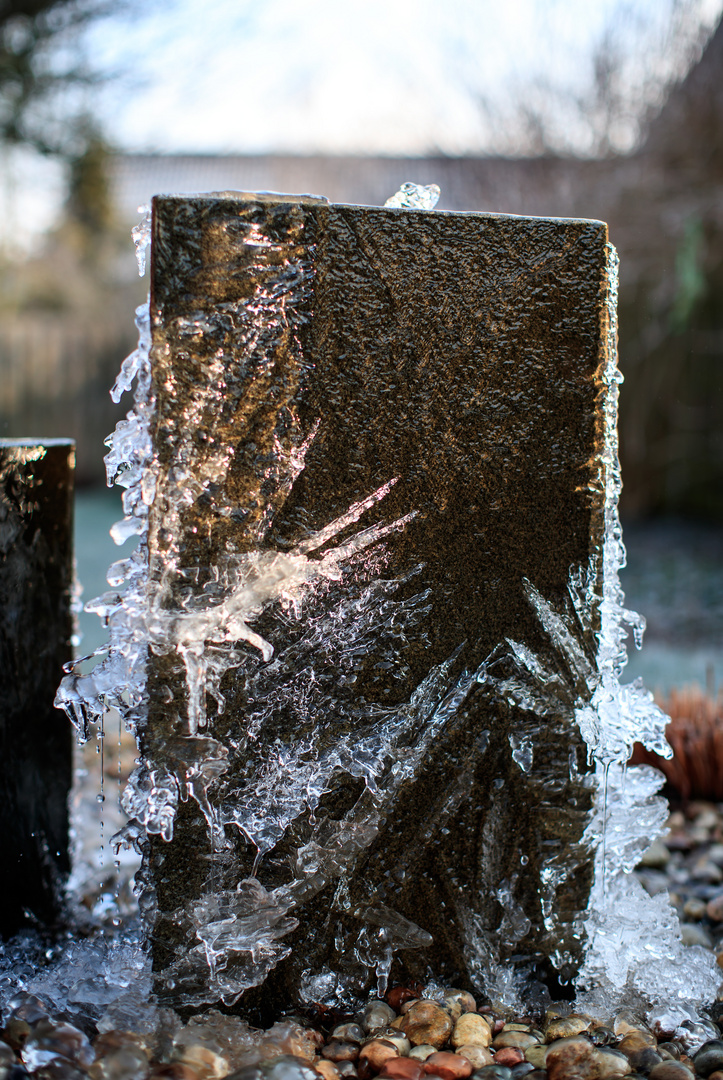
{"points": [[36, 575], [378, 435]]}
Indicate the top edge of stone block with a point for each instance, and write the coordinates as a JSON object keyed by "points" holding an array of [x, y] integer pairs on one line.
{"points": [[281, 198]]}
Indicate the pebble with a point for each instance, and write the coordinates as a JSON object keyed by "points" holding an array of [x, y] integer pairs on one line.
{"points": [[427, 1022], [571, 1056], [471, 1030], [644, 1060], [714, 908], [377, 1014], [694, 908], [478, 1056], [448, 1066], [537, 1055], [396, 1038], [565, 1027], [493, 1072], [288, 1067], [509, 1055], [602, 1036], [693, 934], [376, 1052], [709, 1058], [636, 1040], [348, 1033], [123, 1063], [656, 856], [173, 1071], [422, 1052], [514, 1038], [49, 1040], [327, 1069], [399, 996], [671, 1070], [610, 1062], [206, 1063], [340, 1051], [457, 1002], [402, 1068], [16, 1032]]}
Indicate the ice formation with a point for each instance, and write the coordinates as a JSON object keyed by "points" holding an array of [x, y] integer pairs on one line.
{"points": [[634, 953], [415, 197], [633, 949]]}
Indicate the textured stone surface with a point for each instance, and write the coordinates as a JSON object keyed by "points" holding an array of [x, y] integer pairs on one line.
{"points": [[36, 574], [307, 356]]}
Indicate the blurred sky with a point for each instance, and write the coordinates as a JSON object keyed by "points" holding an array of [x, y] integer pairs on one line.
{"points": [[369, 76], [354, 76]]}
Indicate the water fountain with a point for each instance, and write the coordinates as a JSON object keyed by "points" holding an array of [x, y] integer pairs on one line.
{"points": [[372, 637], [36, 577]]}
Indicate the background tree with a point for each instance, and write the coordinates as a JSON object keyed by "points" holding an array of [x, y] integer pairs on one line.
{"points": [[43, 72]]}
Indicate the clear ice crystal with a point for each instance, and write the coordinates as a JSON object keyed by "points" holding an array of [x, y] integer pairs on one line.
{"points": [[415, 197], [141, 234]]}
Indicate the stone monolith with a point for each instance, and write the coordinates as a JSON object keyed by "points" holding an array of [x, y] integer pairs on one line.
{"points": [[375, 499], [36, 576]]}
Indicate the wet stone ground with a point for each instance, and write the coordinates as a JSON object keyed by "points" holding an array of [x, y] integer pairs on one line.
{"points": [[405, 1037]]}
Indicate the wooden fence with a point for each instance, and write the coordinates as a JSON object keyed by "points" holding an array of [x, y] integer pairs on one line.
{"points": [[55, 377]]}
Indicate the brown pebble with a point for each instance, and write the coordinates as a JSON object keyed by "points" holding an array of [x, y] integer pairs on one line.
{"points": [[645, 1059], [509, 1056], [109, 1041], [340, 1051], [478, 1056], [406, 1006], [448, 1066], [402, 1068], [427, 1022], [609, 1062], [205, 1063], [568, 1057], [16, 1032], [671, 1070], [376, 1052], [714, 908], [398, 995], [421, 1052], [457, 1002], [565, 1027], [520, 1039], [328, 1070], [636, 1040], [471, 1030], [174, 1071], [717, 1075], [348, 1033], [537, 1055]]}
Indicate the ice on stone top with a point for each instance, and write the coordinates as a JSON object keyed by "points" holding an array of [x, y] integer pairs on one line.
{"points": [[415, 197]]}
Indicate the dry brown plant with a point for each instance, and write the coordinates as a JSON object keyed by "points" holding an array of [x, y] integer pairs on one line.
{"points": [[695, 733]]}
